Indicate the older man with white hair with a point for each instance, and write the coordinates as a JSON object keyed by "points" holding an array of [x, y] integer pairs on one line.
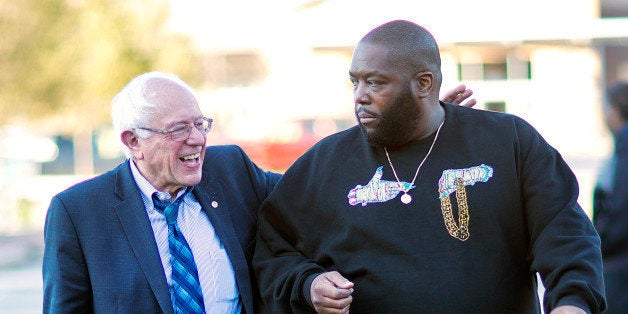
{"points": [[171, 229]]}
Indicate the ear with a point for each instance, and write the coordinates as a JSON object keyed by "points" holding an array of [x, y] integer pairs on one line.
{"points": [[422, 84], [131, 140]]}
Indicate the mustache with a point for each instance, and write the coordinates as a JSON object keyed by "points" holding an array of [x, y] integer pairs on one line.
{"points": [[364, 110]]}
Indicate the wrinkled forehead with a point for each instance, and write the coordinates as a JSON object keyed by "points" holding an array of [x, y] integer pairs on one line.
{"points": [[159, 88], [162, 91]]}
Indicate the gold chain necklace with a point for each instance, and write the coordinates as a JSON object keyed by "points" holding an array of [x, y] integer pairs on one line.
{"points": [[406, 198]]}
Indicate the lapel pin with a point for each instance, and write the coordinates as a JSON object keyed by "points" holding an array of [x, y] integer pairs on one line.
{"points": [[214, 204]]}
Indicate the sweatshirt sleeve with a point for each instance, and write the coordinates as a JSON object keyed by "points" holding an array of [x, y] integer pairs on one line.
{"points": [[283, 265], [283, 272], [564, 246]]}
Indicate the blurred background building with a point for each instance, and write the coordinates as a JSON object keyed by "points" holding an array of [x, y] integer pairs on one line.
{"points": [[273, 74]]}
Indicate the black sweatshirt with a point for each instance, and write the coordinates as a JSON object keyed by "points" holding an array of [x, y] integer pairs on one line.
{"points": [[492, 205]]}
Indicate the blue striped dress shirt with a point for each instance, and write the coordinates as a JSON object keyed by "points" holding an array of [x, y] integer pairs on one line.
{"points": [[215, 271]]}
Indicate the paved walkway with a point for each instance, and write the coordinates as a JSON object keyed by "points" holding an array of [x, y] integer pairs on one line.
{"points": [[20, 274]]}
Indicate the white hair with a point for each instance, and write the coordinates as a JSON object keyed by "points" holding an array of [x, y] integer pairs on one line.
{"points": [[130, 109]]}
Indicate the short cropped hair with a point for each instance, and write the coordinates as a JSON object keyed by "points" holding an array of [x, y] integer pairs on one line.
{"points": [[412, 46]]}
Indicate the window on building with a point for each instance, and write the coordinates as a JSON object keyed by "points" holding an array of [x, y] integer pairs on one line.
{"points": [[235, 69], [470, 71], [518, 69], [622, 71], [495, 71], [498, 106], [506, 66], [613, 8]]}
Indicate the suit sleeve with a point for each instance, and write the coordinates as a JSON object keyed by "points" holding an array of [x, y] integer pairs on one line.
{"points": [[564, 246], [65, 277], [243, 179]]}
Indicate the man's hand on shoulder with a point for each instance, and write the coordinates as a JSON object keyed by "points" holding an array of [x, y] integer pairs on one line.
{"points": [[458, 95]]}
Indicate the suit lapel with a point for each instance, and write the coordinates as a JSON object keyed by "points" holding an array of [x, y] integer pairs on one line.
{"points": [[210, 196], [134, 220]]}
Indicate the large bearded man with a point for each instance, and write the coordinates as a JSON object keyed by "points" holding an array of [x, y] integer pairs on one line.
{"points": [[425, 207]]}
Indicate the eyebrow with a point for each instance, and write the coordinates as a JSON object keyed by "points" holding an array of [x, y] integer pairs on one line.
{"points": [[369, 73], [177, 123]]}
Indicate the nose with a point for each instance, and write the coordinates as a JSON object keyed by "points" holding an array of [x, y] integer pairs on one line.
{"points": [[196, 136], [360, 93]]}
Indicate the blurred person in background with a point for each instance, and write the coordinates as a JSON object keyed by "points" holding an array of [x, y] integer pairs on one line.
{"points": [[425, 207], [107, 242], [610, 202]]}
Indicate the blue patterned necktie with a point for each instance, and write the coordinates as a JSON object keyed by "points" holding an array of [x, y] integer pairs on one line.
{"points": [[185, 291]]}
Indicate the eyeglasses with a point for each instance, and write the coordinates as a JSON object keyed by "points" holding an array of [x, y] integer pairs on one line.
{"points": [[181, 132]]}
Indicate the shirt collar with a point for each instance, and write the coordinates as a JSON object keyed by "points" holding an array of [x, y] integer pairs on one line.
{"points": [[147, 189]]}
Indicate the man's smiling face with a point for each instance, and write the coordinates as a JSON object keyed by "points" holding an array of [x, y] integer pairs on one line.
{"points": [[170, 165]]}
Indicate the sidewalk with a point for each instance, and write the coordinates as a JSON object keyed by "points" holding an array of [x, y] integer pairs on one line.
{"points": [[20, 273]]}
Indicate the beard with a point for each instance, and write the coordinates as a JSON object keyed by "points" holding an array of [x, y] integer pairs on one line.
{"points": [[396, 124]]}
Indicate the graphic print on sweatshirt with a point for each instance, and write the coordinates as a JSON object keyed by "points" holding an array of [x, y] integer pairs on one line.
{"points": [[377, 190], [456, 181]]}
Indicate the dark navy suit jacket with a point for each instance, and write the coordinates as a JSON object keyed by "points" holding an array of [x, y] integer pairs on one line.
{"points": [[100, 252]]}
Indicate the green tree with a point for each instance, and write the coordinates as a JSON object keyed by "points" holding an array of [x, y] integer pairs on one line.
{"points": [[62, 61]]}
